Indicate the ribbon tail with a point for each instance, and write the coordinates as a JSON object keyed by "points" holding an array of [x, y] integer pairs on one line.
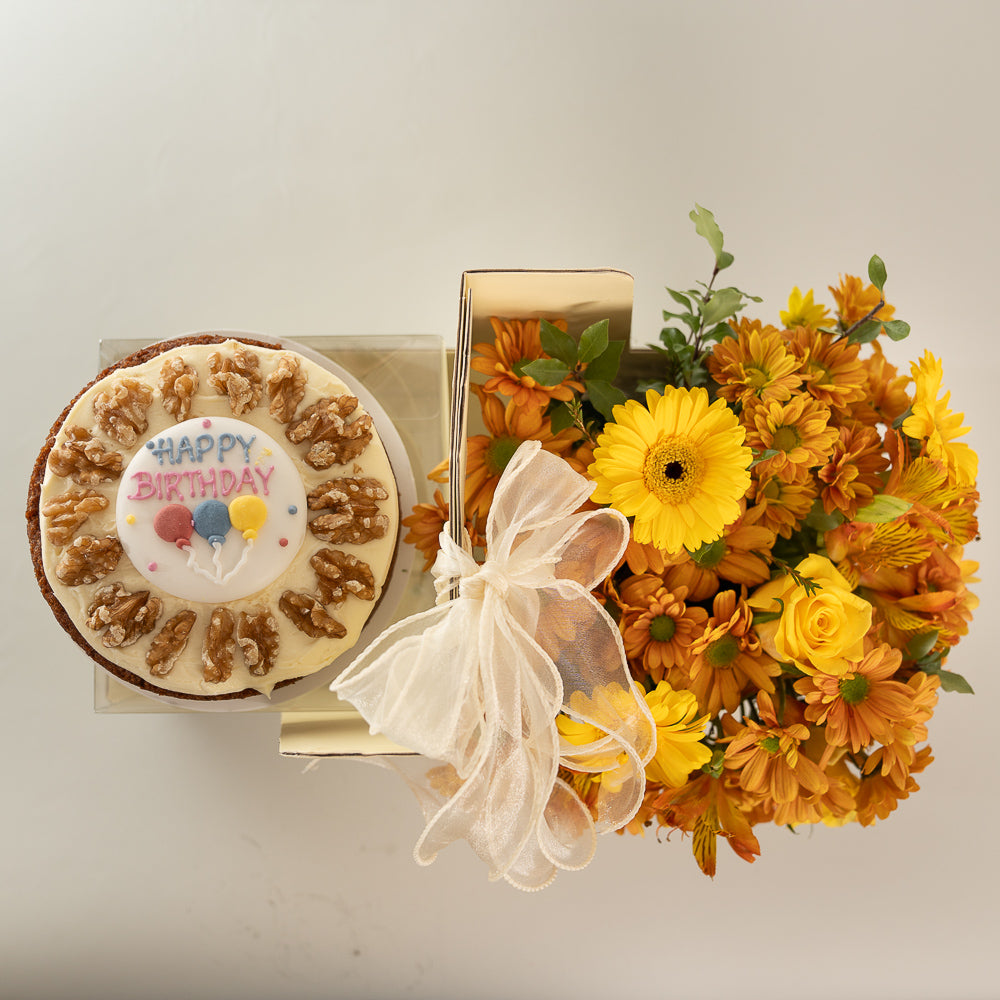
{"points": [[498, 806], [417, 682], [565, 839]]}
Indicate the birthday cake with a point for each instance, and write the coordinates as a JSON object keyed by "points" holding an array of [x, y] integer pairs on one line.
{"points": [[212, 518]]}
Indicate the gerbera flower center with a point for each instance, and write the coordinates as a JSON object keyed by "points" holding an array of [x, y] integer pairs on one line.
{"points": [[672, 470], [854, 689], [499, 452], [785, 439], [662, 628], [721, 653]]}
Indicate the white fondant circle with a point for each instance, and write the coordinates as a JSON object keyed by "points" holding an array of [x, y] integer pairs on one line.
{"points": [[221, 459]]}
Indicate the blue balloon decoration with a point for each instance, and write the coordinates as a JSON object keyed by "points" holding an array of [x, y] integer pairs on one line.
{"points": [[211, 521]]}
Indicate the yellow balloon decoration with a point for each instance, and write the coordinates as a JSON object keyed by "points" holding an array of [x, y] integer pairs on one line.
{"points": [[248, 514]]}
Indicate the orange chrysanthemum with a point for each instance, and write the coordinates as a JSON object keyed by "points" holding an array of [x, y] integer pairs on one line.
{"points": [[834, 806], [799, 431], [754, 364], [851, 476], [517, 343], [427, 522], [830, 368], [768, 759], [785, 500], [862, 706], [897, 757], [489, 454], [743, 553], [879, 794], [856, 300], [676, 567], [727, 658], [885, 396], [658, 627]]}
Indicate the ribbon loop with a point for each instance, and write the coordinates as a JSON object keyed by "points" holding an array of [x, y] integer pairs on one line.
{"points": [[477, 682]]}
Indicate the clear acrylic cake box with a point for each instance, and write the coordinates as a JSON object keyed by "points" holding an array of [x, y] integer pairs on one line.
{"points": [[408, 376]]}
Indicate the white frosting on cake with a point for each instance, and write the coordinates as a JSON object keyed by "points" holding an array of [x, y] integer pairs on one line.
{"points": [[271, 568]]}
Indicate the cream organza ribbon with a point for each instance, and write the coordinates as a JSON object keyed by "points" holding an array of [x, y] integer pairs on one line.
{"points": [[477, 681]]}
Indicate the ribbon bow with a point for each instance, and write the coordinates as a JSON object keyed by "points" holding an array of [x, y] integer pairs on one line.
{"points": [[477, 682]]}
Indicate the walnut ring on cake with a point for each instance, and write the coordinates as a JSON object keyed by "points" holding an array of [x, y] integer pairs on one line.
{"points": [[213, 517]]}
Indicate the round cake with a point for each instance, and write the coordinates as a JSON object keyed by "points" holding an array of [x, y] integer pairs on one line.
{"points": [[212, 518]]}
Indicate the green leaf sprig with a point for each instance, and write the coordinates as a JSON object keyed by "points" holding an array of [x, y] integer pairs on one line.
{"points": [[704, 315], [868, 328], [921, 650], [592, 360]]}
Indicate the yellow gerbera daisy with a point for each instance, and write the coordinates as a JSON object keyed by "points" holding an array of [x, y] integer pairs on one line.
{"points": [[677, 465]]}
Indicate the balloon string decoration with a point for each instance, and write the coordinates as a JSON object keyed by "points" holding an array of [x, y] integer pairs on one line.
{"points": [[212, 520]]}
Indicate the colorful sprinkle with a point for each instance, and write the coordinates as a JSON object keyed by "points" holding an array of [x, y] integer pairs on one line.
{"points": [[152, 567], [292, 509], [283, 542], [206, 422], [130, 518], [150, 444]]}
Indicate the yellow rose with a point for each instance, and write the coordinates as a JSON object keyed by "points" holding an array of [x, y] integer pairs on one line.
{"points": [[819, 633]]}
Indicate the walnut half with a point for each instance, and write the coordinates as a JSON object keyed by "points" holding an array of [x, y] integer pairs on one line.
{"points": [[124, 616], [217, 649], [67, 511], [88, 559], [333, 441], [83, 459], [308, 615], [237, 377], [169, 643], [286, 386], [120, 409], [349, 528], [257, 634], [178, 384], [339, 574], [353, 516]]}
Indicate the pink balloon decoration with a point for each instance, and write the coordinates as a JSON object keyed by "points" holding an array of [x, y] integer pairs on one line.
{"points": [[173, 524]]}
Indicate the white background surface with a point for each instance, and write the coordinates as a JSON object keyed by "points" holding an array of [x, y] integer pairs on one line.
{"points": [[310, 168]]}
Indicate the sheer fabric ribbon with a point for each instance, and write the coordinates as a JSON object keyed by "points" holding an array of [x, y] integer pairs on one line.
{"points": [[477, 681]]}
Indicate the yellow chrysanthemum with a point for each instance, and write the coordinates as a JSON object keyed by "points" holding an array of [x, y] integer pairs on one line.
{"points": [[932, 421], [677, 466], [802, 311], [679, 731]]}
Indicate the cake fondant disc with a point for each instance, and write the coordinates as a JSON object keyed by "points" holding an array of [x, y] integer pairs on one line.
{"points": [[211, 510]]}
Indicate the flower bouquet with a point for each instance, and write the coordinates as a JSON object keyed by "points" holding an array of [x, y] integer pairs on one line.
{"points": [[792, 578]]}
